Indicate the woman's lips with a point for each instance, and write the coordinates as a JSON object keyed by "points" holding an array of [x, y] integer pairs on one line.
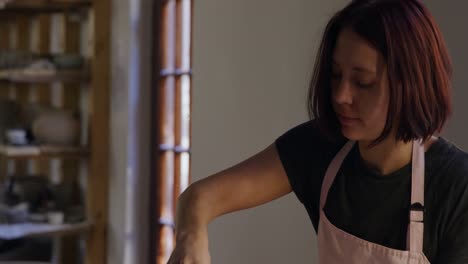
{"points": [[347, 121]]}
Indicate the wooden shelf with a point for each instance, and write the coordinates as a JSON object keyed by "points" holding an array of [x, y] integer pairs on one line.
{"points": [[15, 231], [21, 76], [44, 151], [37, 28], [45, 5]]}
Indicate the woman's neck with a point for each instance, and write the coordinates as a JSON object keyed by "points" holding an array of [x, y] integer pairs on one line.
{"points": [[389, 155], [386, 157]]}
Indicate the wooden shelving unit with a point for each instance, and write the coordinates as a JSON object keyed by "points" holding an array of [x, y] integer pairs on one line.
{"points": [[51, 26], [45, 151], [41, 6], [22, 76], [25, 230]]}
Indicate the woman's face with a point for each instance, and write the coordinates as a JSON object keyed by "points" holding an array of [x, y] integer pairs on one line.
{"points": [[360, 92]]}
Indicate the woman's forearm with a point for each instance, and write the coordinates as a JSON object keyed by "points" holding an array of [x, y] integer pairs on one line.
{"points": [[193, 212]]}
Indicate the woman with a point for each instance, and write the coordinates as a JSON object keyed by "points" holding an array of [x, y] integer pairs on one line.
{"points": [[377, 182]]}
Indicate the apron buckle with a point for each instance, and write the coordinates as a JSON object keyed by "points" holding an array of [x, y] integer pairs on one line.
{"points": [[417, 213]]}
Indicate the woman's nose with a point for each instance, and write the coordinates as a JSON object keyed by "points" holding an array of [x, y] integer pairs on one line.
{"points": [[342, 93]]}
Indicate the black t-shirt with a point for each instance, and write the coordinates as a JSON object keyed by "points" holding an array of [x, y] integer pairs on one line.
{"points": [[376, 207]]}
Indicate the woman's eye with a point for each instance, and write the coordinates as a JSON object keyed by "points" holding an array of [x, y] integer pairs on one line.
{"points": [[365, 85]]}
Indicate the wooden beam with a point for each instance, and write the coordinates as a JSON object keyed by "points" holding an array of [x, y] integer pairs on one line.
{"points": [[171, 114], [98, 189]]}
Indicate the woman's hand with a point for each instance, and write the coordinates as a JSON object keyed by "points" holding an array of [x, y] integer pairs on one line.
{"points": [[191, 248]]}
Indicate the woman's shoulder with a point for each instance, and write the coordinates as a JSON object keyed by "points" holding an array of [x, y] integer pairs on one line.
{"points": [[447, 188], [458, 160], [447, 156], [304, 149], [305, 153], [447, 165], [307, 136]]}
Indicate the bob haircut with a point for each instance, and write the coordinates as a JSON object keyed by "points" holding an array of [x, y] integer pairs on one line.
{"points": [[418, 66]]}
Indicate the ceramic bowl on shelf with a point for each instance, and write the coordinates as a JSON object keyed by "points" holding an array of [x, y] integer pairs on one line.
{"points": [[56, 127], [15, 214], [68, 61], [55, 217], [18, 137], [14, 59]]}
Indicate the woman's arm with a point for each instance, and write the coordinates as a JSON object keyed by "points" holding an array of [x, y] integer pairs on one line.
{"points": [[253, 182]]}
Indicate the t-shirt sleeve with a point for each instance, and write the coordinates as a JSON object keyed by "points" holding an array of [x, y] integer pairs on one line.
{"points": [[453, 246], [305, 154]]}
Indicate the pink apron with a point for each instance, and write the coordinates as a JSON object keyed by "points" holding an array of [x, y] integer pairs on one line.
{"points": [[336, 246]]}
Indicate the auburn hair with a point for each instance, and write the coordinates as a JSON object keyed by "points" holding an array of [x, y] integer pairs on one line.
{"points": [[418, 66]]}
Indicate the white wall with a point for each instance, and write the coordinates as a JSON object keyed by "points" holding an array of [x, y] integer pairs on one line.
{"points": [[252, 62]]}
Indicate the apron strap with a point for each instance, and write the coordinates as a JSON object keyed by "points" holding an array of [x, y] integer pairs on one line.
{"points": [[415, 233], [332, 170]]}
